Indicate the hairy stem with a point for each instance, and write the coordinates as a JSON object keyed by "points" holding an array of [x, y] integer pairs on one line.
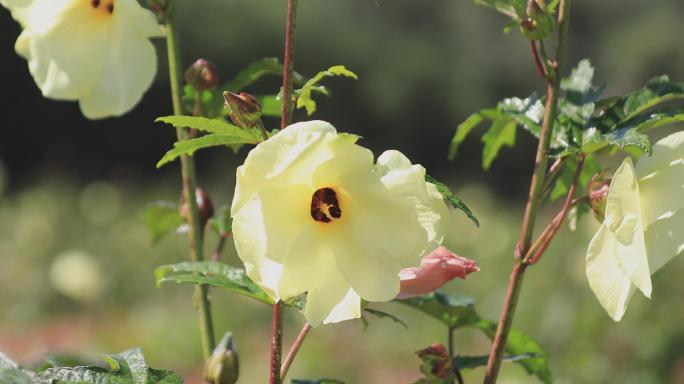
{"points": [[286, 118], [533, 201], [294, 349], [195, 232]]}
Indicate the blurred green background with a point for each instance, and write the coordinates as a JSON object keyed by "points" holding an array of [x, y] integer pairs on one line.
{"points": [[71, 192]]}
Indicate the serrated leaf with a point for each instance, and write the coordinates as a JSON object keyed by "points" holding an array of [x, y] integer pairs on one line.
{"points": [[621, 138], [470, 362], [454, 310], [188, 147], [211, 126], [128, 367], [382, 315], [466, 127], [304, 94], [212, 273], [449, 196], [520, 344], [161, 218], [501, 133]]}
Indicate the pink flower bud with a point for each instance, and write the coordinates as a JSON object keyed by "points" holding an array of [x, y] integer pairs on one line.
{"points": [[436, 269]]}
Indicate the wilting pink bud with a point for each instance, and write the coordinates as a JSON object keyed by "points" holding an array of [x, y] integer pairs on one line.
{"points": [[436, 361], [436, 269]]}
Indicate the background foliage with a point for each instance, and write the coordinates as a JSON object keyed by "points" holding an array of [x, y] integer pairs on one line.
{"points": [[73, 190]]}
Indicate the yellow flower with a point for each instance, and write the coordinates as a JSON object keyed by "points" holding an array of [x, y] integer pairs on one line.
{"points": [[95, 51], [312, 213], [643, 227]]}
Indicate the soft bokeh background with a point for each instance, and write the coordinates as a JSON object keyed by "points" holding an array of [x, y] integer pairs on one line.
{"points": [[71, 192]]}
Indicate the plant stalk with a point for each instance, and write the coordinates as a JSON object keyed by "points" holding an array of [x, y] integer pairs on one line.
{"points": [[188, 177], [533, 201], [294, 349], [286, 108]]}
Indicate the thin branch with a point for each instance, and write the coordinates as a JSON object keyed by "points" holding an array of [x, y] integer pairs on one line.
{"points": [[452, 356], [533, 202], [293, 350], [555, 225], [541, 68]]}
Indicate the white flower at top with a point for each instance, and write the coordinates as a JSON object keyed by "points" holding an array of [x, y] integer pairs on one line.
{"points": [[95, 51], [312, 213], [643, 227]]}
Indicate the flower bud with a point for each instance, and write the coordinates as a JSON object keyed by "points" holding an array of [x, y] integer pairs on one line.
{"points": [[202, 75], [539, 21], [223, 366], [204, 205], [598, 196], [436, 361], [245, 110], [159, 8], [436, 269]]}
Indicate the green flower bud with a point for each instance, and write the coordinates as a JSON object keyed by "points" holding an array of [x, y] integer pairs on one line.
{"points": [[539, 22], [223, 366], [202, 75], [245, 110]]}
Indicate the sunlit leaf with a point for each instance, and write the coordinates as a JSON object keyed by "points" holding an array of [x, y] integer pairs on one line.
{"points": [[304, 94], [501, 133], [470, 362], [212, 273], [188, 147], [451, 198]]}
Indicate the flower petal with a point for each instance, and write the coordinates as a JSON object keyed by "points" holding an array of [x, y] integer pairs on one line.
{"points": [[661, 179], [665, 240], [301, 262], [264, 230], [623, 220], [329, 299], [606, 278], [130, 64]]}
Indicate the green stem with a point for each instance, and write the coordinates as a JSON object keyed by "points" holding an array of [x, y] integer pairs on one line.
{"points": [[533, 201], [188, 177]]}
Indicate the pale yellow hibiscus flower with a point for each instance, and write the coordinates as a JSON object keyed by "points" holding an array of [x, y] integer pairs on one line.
{"points": [[313, 213], [95, 51], [643, 227]]}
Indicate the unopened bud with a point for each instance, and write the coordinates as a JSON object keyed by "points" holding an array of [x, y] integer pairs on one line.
{"points": [[436, 361], [539, 21], [598, 196], [223, 366], [245, 110], [204, 205], [202, 75]]}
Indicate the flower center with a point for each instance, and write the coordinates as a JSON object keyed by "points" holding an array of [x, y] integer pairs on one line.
{"points": [[106, 6], [324, 205]]}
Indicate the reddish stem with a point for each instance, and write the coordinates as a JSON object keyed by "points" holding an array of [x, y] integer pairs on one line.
{"points": [[276, 343], [294, 349], [555, 225], [537, 60], [288, 64]]}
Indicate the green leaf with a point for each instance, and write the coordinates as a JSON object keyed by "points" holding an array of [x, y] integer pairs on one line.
{"points": [[211, 126], [451, 198], [621, 138], [466, 127], [222, 222], [515, 9], [321, 381], [128, 367], [12, 373], [521, 344], [269, 66], [382, 315], [188, 147], [212, 273], [502, 132], [470, 362], [454, 310], [270, 106], [161, 218], [304, 94]]}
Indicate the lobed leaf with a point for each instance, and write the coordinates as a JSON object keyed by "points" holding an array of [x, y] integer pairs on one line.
{"points": [[452, 199], [382, 315], [304, 94], [501, 133], [212, 273], [454, 310], [204, 124]]}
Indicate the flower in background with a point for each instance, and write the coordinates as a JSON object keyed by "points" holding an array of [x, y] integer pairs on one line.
{"points": [[312, 213], [95, 51], [643, 227], [436, 269]]}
